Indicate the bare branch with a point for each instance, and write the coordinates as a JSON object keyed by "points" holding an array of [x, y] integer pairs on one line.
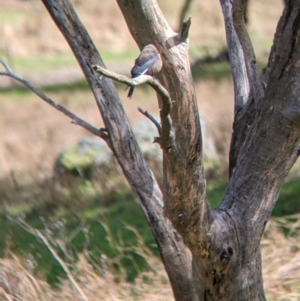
{"points": [[176, 257], [271, 134], [243, 120], [136, 81], [185, 202], [237, 60], [247, 84], [185, 29], [276, 43], [238, 14], [75, 119], [245, 117], [151, 118], [8, 70], [166, 140], [184, 10]]}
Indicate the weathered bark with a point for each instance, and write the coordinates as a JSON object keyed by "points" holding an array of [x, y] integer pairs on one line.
{"points": [[267, 129], [224, 243], [225, 260], [184, 194], [175, 255]]}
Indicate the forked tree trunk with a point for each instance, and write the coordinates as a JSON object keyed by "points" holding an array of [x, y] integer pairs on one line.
{"points": [[216, 255]]}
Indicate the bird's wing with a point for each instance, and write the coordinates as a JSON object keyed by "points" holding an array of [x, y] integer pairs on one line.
{"points": [[142, 66]]}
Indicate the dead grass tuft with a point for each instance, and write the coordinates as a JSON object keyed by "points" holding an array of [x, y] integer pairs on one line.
{"points": [[281, 269], [17, 282], [281, 259]]}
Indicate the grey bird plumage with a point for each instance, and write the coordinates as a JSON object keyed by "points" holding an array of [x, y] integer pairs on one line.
{"points": [[149, 62]]}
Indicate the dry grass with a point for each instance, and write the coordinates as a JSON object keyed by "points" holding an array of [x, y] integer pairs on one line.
{"points": [[84, 280], [281, 270], [18, 283], [281, 259]]}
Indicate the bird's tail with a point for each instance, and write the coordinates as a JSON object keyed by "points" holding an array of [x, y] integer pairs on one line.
{"points": [[130, 92]]}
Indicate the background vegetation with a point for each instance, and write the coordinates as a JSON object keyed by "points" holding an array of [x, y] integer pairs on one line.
{"points": [[84, 240]]}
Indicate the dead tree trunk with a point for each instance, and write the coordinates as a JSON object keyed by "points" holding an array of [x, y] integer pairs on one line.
{"points": [[208, 254]]}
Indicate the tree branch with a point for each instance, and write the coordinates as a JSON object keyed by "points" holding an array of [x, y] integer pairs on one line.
{"points": [[185, 187], [151, 118], [183, 12], [247, 84], [277, 36], [237, 59], [244, 118], [137, 81], [166, 140], [75, 119], [184, 34], [238, 14], [176, 257], [269, 148]]}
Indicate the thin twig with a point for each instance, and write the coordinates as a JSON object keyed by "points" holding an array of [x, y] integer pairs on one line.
{"points": [[75, 119], [166, 140], [44, 239], [151, 118]]}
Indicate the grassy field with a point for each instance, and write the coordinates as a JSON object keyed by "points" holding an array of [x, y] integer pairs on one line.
{"points": [[87, 244]]}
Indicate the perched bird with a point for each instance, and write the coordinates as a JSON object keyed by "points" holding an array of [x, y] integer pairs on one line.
{"points": [[149, 62]]}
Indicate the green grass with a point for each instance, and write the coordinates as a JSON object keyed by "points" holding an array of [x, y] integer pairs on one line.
{"points": [[289, 199], [89, 225], [25, 65], [108, 233], [215, 193], [99, 229], [21, 93], [125, 56], [216, 71], [42, 65], [11, 17], [288, 202]]}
